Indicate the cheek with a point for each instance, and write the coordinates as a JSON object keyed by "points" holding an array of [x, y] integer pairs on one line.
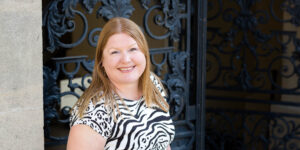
{"points": [[109, 62], [142, 61], [107, 67], [140, 58]]}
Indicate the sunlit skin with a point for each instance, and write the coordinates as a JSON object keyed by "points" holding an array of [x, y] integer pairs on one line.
{"points": [[124, 63]]}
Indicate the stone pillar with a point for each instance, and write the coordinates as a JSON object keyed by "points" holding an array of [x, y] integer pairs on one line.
{"points": [[21, 76]]}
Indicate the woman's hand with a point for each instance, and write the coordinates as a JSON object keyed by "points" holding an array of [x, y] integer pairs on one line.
{"points": [[84, 137]]}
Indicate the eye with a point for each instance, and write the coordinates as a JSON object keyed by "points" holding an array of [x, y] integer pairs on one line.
{"points": [[114, 52], [133, 49]]}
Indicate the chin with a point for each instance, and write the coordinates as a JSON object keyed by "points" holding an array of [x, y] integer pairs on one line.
{"points": [[128, 80]]}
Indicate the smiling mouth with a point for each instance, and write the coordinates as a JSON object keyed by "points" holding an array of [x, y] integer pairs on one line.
{"points": [[126, 69]]}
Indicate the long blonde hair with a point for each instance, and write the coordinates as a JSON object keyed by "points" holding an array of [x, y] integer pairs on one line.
{"points": [[101, 83]]}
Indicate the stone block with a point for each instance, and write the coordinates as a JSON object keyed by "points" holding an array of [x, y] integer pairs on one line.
{"points": [[21, 78], [21, 55], [22, 130], [30, 97], [20, 49]]}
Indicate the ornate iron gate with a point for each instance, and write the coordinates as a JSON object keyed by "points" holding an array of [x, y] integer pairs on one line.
{"points": [[253, 71], [69, 24]]}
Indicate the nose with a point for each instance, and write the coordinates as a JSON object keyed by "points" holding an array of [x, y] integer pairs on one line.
{"points": [[126, 57]]}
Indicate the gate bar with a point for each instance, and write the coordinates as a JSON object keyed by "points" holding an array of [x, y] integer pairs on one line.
{"points": [[201, 73]]}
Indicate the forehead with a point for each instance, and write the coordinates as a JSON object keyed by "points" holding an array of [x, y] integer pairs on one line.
{"points": [[120, 40]]}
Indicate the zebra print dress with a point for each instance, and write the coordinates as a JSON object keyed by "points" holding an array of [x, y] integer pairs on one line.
{"points": [[139, 127]]}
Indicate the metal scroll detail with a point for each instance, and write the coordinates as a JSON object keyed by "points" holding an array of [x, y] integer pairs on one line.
{"points": [[174, 80], [51, 100], [53, 114], [176, 83], [113, 8], [284, 131], [292, 7], [171, 19], [253, 75], [58, 19], [245, 44]]}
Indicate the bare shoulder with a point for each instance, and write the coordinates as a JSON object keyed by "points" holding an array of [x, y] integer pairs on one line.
{"points": [[84, 137]]}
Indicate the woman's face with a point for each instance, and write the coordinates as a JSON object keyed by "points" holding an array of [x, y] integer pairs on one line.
{"points": [[123, 61]]}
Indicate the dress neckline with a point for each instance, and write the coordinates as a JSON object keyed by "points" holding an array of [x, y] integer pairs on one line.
{"points": [[126, 99]]}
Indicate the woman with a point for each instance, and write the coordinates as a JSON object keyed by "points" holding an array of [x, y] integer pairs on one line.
{"points": [[124, 106]]}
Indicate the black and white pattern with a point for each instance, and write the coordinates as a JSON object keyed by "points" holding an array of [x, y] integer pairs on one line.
{"points": [[138, 127]]}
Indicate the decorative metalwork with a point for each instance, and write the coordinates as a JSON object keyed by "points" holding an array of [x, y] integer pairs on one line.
{"points": [[89, 4], [171, 20], [59, 21], [245, 25], [51, 100], [114, 8], [176, 82], [291, 7], [255, 128], [252, 69], [59, 17], [52, 94]]}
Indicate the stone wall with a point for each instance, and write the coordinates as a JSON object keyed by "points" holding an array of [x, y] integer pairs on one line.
{"points": [[21, 78]]}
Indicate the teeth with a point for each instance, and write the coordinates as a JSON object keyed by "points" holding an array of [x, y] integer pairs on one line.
{"points": [[125, 69]]}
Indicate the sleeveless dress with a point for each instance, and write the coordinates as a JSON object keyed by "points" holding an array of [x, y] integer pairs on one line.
{"points": [[137, 128]]}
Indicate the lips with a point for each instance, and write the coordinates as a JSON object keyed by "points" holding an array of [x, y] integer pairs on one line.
{"points": [[126, 69]]}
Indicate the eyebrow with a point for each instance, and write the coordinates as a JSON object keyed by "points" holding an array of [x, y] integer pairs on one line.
{"points": [[135, 43]]}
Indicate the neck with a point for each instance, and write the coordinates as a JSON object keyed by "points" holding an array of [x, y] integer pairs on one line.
{"points": [[129, 91]]}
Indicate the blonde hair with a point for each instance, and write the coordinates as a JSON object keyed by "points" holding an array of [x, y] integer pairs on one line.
{"points": [[101, 86]]}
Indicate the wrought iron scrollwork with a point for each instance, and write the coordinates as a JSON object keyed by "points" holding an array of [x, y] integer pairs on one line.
{"points": [[286, 133], [251, 56], [246, 44], [93, 38], [58, 18], [171, 19], [292, 7], [89, 5], [60, 21], [52, 94], [214, 9], [176, 82], [115, 8], [244, 130], [51, 100], [78, 61]]}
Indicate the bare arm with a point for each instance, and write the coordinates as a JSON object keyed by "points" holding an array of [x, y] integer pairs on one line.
{"points": [[83, 137], [169, 147]]}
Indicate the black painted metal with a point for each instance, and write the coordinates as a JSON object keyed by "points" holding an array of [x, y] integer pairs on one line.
{"points": [[53, 115], [174, 68], [252, 69], [201, 73]]}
